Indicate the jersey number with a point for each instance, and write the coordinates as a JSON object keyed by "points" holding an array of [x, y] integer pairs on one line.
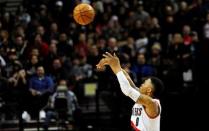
{"points": [[137, 121]]}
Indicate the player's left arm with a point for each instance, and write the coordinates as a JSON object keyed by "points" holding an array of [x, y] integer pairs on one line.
{"points": [[130, 80], [152, 108]]}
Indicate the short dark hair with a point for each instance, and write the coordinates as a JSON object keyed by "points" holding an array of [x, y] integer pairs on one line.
{"points": [[158, 86]]}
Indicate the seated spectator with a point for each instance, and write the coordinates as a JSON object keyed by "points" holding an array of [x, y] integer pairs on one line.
{"points": [[52, 53], [40, 88], [63, 102], [32, 65], [11, 62], [39, 44], [41, 84], [20, 44], [141, 68], [155, 58], [63, 47], [57, 71]]}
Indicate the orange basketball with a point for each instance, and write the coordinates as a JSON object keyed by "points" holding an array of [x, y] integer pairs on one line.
{"points": [[83, 14]]}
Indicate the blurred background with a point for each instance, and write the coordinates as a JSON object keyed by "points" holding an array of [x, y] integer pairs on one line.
{"points": [[48, 79]]}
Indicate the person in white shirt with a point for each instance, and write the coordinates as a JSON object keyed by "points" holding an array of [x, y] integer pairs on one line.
{"points": [[147, 109]]}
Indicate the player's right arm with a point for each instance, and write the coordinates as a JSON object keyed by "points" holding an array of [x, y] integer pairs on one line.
{"points": [[151, 106]]}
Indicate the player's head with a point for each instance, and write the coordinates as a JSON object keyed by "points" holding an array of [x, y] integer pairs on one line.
{"points": [[152, 86]]}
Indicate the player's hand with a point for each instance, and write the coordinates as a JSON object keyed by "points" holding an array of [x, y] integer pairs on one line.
{"points": [[113, 61], [101, 65], [100, 69]]}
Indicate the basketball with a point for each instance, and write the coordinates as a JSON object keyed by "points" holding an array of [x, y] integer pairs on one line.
{"points": [[83, 14]]}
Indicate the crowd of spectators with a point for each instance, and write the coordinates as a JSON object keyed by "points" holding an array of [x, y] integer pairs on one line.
{"points": [[41, 44]]}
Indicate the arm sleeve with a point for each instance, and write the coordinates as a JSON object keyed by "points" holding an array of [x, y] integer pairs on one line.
{"points": [[126, 87]]}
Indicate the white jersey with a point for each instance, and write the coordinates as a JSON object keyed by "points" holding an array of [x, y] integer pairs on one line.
{"points": [[140, 121]]}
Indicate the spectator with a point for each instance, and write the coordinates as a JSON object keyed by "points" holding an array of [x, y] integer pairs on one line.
{"points": [[141, 68], [186, 32], [41, 45], [81, 47], [19, 31], [142, 42], [57, 71], [41, 30], [52, 53], [19, 91], [43, 16], [5, 44], [54, 111], [40, 88], [11, 59], [112, 45], [154, 30], [32, 65], [101, 45], [177, 50], [63, 47], [114, 28], [156, 59], [15, 86], [141, 14], [7, 21], [20, 45], [182, 16], [85, 68], [129, 47], [54, 31], [93, 56], [138, 27], [41, 84]]}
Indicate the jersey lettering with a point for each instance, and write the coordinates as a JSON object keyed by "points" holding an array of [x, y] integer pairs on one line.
{"points": [[136, 111]]}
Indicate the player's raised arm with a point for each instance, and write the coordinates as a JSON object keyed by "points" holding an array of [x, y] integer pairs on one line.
{"points": [[101, 67], [114, 62]]}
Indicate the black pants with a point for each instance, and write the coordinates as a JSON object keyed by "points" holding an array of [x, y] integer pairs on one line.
{"points": [[33, 104]]}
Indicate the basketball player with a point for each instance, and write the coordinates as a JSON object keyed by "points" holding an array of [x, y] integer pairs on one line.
{"points": [[147, 109]]}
